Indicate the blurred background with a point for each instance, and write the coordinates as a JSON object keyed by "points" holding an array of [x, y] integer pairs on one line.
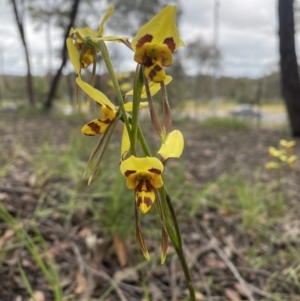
{"points": [[235, 92], [231, 55]]}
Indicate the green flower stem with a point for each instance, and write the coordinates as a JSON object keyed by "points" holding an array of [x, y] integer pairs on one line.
{"points": [[137, 91], [143, 142], [167, 115], [117, 89], [171, 224], [178, 247], [153, 113]]}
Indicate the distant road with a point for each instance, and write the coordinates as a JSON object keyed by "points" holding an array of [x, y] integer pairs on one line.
{"points": [[267, 117]]}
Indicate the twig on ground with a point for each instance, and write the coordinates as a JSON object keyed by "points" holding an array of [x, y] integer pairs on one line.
{"points": [[15, 190], [260, 292], [265, 273], [233, 269], [102, 274], [194, 263], [226, 260]]}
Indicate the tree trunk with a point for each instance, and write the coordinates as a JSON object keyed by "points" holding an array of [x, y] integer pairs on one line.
{"points": [[290, 83], [19, 22], [49, 102]]}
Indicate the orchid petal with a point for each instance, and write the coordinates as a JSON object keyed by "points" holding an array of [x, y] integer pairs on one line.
{"points": [[95, 127], [154, 87], [173, 145], [145, 200], [125, 144], [139, 169], [162, 30], [129, 105], [107, 15], [73, 55], [95, 94], [82, 33]]}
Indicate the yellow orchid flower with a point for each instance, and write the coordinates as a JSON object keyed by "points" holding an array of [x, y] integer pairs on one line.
{"points": [[276, 153], [155, 43], [154, 87], [143, 175], [288, 145], [125, 87], [283, 158], [109, 111], [173, 146], [272, 165], [81, 53], [291, 161]]}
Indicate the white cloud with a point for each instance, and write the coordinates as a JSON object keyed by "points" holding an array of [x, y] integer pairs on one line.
{"points": [[247, 32], [247, 36]]}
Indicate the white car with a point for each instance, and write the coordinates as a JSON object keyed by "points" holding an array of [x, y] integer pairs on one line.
{"points": [[246, 111]]}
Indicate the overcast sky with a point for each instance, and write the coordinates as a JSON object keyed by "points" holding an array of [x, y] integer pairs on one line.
{"points": [[247, 36]]}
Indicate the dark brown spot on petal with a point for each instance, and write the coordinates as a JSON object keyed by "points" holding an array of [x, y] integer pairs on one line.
{"points": [[170, 43], [145, 39], [157, 68], [139, 201], [127, 173], [152, 74], [147, 61], [155, 170], [94, 127], [107, 121], [148, 202], [144, 186]]}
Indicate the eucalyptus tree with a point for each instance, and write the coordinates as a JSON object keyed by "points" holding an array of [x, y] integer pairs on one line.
{"points": [[18, 8], [290, 83], [130, 15], [48, 15], [202, 59], [54, 83]]}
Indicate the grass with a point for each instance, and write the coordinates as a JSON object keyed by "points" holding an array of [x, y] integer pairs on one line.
{"points": [[106, 206], [225, 124], [36, 246], [257, 203]]}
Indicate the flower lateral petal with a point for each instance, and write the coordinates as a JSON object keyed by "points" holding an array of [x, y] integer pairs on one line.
{"points": [[73, 55], [173, 146], [129, 105], [154, 87], [95, 127], [125, 144], [95, 94]]}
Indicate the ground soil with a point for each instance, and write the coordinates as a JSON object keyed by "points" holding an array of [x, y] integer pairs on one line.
{"points": [[216, 245]]}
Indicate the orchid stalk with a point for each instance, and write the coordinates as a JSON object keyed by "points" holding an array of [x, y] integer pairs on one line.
{"points": [[153, 47]]}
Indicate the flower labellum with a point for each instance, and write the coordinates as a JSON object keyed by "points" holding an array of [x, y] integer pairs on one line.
{"points": [[143, 175]]}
